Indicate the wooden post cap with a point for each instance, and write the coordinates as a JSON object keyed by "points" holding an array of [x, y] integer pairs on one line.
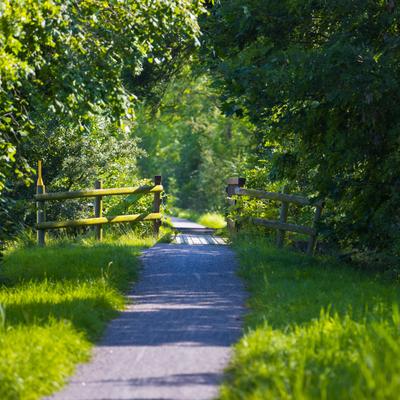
{"points": [[236, 181], [39, 174]]}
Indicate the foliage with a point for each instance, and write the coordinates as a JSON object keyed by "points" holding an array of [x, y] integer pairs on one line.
{"points": [[316, 329], [212, 220], [72, 160], [320, 81], [76, 59], [192, 144], [56, 302], [247, 207]]}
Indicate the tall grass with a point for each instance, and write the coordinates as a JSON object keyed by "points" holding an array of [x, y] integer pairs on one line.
{"points": [[55, 302], [212, 220], [316, 329]]}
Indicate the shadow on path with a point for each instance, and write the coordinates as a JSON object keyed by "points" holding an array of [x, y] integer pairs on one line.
{"points": [[173, 340]]}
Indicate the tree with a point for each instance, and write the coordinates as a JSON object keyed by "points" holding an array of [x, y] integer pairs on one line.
{"points": [[320, 79], [65, 66], [193, 145], [75, 59]]}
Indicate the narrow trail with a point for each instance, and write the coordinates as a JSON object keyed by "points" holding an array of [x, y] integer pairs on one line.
{"points": [[173, 340]]}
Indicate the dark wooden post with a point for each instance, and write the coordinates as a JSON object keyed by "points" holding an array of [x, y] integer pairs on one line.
{"points": [[98, 211], [233, 184], [40, 210], [280, 238], [156, 206], [313, 238]]}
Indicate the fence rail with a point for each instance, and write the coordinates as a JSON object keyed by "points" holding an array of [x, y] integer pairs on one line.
{"points": [[261, 194], [98, 192], [98, 220], [235, 188], [76, 223]]}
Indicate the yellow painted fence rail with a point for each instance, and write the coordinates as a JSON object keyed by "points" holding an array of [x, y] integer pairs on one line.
{"points": [[98, 220], [235, 188]]}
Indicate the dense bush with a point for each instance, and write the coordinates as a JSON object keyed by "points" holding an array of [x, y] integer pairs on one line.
{"points": [[321, 82], [73, 160]]}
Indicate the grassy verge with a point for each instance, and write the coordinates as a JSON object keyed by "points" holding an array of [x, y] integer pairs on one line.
{"points": [[55, 302], [316, 330], [209, 219]]}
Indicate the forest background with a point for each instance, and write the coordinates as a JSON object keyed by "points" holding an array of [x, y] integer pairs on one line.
{"points": [[302, 95]]}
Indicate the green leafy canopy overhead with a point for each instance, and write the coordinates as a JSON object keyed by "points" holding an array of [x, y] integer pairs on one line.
{"points": [[75, 58]]}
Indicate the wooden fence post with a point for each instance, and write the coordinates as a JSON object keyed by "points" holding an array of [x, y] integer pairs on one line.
{"points": [[40, 210], [156, 206], [98, 211], [233, 184], [280, 238], [313, 238]]}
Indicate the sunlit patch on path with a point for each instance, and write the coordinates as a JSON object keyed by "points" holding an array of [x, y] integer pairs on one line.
{"points": [[198, 240]]}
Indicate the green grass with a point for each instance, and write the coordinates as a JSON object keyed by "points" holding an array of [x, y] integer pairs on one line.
{"points": [[210, 219], [55, 302], [316, 329]]}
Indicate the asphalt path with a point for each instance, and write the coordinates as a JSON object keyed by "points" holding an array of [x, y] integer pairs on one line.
{"points": [[173, 340], [182, 224]]}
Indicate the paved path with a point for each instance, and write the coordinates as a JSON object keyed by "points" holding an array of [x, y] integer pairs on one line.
{"points": [[174, 340], [192, 233], [192, 239], [184, 224]]}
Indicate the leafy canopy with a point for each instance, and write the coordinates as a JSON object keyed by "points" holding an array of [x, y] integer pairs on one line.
{"points": [[73, 59], [320, 81]]}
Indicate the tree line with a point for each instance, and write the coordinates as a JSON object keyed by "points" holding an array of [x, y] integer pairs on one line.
{"points": [[287, 93], [320, 81]]}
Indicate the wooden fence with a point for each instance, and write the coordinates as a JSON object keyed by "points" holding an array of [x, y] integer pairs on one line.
{"points": [[98, 220], [236, 188]]}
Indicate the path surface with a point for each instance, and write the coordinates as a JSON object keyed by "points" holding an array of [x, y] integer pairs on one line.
{"points": [[173, 340], [184, 224]]}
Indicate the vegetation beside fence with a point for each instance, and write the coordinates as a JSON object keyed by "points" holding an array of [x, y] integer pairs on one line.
{"points": [[55, 302], [317, 329], [98, 220], [235, 188]]}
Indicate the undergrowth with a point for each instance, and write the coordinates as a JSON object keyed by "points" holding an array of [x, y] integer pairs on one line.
{"points": [[316, 329], [54, 303]]}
